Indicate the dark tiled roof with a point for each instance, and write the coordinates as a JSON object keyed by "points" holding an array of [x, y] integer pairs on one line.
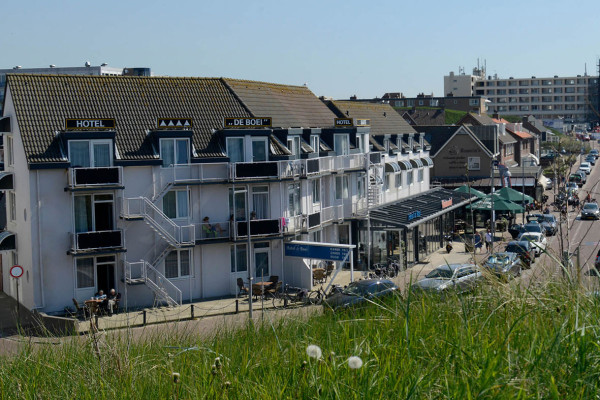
{"points": [[437, 136], [43, 102], [476, 119], [384, 119], [277, 148], [424, 117], [289, 106]]}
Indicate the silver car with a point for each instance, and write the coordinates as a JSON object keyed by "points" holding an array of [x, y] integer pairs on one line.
{"points": [[459, 277], [504, 265]]}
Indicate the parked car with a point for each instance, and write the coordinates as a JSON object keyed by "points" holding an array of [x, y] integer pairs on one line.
{"points": [[538, 240], [533, 226], [547, 221], [583, 175], [572, 186], [504, 264], [360, 292], [549, 184], [585, 167], [590, 159], [590, 211], [595, 153], [459, 277], [524, 250], [576, 178]]}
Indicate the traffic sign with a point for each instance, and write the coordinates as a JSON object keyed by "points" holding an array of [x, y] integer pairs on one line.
{"points": [[16, 271]]}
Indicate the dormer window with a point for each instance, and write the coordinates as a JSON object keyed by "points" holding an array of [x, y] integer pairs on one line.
{"points": [[174, 151], [293, 144], [341, 146], [91, 153], [314, 143], [235, 149]]}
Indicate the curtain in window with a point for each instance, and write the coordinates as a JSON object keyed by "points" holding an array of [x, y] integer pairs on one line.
{"points": [[101, 154], [169, 205], [260, 201], [294, 199], [83, 214], [341, 146], [184, 262], [85, 273], [235, 149], [171, 270], [316, 191], [183, 152], [79, 154], [345, 186], [240, 205], [182, 204], [241, 258], [259, 152], [167, 152]]}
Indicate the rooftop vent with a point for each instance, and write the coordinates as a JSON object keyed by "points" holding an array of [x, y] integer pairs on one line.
{"points": [[17, 67], [88, 64], [52, 65]]}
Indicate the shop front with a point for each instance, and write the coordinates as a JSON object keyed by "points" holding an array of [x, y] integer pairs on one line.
{"points": [[410, 229]]}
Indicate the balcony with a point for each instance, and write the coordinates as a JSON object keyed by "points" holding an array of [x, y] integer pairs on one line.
{"points": [[259, 227], [214, 231], [100, 177], [91, 242]]}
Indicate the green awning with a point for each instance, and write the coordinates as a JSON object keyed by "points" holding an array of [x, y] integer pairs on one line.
{"points": [[511, 194], [469, 190]]}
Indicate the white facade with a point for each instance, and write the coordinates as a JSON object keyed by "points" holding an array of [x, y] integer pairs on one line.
{"points": [[177, 258]]}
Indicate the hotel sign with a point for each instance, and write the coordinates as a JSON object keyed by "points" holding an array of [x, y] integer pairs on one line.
{"points": [[413, 215], [446, 203], [343, 122], [174, 123], [265, 122], [362, 122], [95, 124], [314, 252]]}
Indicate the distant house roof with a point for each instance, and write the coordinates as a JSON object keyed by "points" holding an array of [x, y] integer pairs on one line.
{"points": [[520, 134], [475, 119], [500, 121], [424, 117], [506, 139], [384, 119], [438, 136], [289, 106]]}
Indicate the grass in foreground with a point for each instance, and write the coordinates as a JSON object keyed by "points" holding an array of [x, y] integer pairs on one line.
{"points": [[498, 343]]}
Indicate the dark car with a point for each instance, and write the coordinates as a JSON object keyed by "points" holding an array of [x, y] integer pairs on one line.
{"points": [[590, 159], [594, 153], [524, 249], [533, 226], [547, 221], [504, 264], [515, 230], [459, 277], [360, 292], [590, 211], [576, 178]]}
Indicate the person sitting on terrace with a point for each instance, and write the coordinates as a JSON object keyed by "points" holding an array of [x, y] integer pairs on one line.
{"points": [[113, 300], [209, 229], [100, 295]]}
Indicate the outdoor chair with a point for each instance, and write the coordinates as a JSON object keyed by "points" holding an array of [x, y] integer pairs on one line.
{"points": [[81, 311], [242, 288], [319, 276], [274, 279]]}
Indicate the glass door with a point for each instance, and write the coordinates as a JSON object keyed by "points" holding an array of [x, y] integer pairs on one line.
{"points": [[259, 150], [262, 267]]}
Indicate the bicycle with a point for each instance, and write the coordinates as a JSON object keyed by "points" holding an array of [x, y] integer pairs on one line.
{"points": [[290, 295]]}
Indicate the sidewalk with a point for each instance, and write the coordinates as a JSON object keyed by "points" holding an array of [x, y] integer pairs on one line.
{"points": [[232, 305]]}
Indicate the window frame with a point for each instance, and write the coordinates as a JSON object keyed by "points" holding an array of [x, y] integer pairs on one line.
{"points": [[179, 263], [178, 216], [345, 150], [175, 152], [12, 206], [237, 251], [266, 148], [315, 190], [344, 187], [228, 146], [295, 206], [91, 157]]}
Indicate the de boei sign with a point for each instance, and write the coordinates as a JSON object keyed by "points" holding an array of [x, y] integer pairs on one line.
{"points": [[316, 252]]}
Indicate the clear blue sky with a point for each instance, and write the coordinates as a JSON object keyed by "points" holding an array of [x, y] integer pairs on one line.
{"points": [[339, 48]]}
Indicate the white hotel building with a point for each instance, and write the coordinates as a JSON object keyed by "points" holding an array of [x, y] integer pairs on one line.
{"points": [[121, 201]]}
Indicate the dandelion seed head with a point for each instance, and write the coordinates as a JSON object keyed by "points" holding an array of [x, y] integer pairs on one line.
{"points": [[355, 362], [218, 362], [314, 351]]}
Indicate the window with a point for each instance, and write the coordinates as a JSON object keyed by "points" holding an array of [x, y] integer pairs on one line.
{"points": [[260, 201], [237, 204], [434, 103], [294, 199], [259, 150], [360, 184], [474, 163], [316, 190], [9, 150], [12, 205], [177, 264], [293, 144], [399, 103], [174, 151], [239, 258], [410, 103], [314, 143], [90, 153], [315, 236], [409, 177], [420, 175], [341, 145], [473, 102], [360, 143], [235, 149], [420, 102], [85, 273], [341, 187], [94, 213], [176, 204], [399, 179], [386, 182]]}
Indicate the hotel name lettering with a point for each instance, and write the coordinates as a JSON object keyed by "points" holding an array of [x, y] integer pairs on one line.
{"points": [[233, 122], [76, 124]]}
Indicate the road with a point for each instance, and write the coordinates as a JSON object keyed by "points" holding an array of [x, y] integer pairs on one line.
{"points": [[580, 237]]}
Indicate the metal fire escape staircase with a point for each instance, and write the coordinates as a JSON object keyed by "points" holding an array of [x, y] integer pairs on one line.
{"points": [[172, 236], [375, 188]]}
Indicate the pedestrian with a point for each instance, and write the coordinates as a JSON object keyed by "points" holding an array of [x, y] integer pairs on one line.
{"points": [[477, 242], [488, 240]]}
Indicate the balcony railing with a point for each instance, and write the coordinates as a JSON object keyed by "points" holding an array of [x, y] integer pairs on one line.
{"points": [[333, 213], [91, 177], [258, 227], [97, 240], [214, 230]]}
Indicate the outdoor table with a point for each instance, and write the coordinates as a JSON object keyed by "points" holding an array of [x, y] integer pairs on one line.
{"points": [[259, 288], [93, 305]]}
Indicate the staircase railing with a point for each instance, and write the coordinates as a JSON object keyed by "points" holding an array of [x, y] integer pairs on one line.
{"points": [[175, 234], [160, 285]]}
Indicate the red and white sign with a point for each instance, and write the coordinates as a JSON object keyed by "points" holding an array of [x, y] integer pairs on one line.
{"points": [[446, 203], [16, 271]]}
